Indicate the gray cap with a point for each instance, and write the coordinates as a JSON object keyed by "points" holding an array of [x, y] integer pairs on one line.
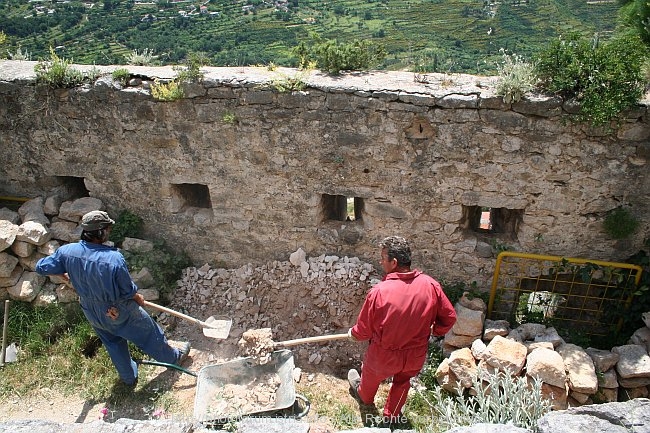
{"points": [[95, 220]]}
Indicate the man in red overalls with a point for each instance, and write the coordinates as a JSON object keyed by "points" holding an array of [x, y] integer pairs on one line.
{"points": [[398, 317]]}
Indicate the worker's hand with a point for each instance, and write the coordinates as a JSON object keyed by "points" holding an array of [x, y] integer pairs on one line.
{"points": [[350, 336], [113, 313], [139, 299]]}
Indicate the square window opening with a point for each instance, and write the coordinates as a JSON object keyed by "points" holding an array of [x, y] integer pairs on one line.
{"points": [[74, 187], [341, 208], [483, 219], [191, 195]]}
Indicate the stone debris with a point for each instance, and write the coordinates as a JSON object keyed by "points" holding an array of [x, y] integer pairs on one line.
{"points": [[258, 344], [257, 395], [300, 297]]}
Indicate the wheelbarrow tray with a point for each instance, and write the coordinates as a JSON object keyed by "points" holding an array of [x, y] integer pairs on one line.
{"points": [[212, 378]]}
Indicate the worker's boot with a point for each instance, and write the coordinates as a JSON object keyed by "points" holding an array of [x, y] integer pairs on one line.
{"points": [[354, 380], [183, 353]]}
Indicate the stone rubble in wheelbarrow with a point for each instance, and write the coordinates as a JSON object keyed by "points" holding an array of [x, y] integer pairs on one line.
{"points": [[301, 296], [258, 344], [257, 395]]}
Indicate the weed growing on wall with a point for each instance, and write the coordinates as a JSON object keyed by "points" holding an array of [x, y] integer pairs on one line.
{"points": [[229, 117], [166, 91], [333, 57], [127, 225], [516, 77], [284, 83], [58, 72], [164, 264], [121, 75], [192, 73], [144, 58], [19, 54]]}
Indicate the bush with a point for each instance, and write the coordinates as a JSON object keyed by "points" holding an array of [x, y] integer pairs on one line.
{"points": [[127, 224], [285, 83], [192, 71], [500, 399], [334, 57], [165, 266], [605, 78], [170, 91], [455, 290], [145, 58], [121, 75], [620, 223], [20, 55]]}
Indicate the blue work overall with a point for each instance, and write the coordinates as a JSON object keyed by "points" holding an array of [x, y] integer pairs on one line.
{"points": [[132, 324], [101, 278]]}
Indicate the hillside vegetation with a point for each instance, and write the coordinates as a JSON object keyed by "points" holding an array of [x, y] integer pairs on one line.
{"points": [[422, 35]]}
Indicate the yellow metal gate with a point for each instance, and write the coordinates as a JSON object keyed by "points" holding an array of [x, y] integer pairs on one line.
{"points": [[587, 296]]}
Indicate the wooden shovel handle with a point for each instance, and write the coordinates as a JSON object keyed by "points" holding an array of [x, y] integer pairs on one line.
{"points": [[312, 339], [176, 313]]}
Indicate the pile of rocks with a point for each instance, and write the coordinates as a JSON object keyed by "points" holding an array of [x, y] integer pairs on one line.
{"points": [[301, 297], [570, 375], [38, 228]]}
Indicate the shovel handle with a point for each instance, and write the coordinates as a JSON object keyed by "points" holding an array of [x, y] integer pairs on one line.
{"points": [[176, 313], [312, 339]]}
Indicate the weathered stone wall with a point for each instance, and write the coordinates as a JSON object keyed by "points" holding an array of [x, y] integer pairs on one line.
{"points": [[419, 154]]}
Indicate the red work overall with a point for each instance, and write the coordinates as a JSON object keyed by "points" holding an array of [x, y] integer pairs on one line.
{"points": [[398, 316]]}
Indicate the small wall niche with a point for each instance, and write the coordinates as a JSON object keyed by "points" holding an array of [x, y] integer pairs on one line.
{"points": [[186, 195], [482, 219], [341, 208], [74, 187]]}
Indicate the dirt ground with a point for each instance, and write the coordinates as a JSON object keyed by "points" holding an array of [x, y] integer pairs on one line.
{"points": [[326, 384]]}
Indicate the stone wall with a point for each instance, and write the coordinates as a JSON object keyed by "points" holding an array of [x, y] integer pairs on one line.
{"points": [[238, 171]]}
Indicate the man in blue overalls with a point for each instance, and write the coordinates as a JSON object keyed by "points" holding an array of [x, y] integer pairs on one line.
{"points": [[109, 298]]}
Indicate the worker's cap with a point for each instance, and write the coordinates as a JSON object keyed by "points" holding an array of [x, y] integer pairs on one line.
{"points": [[95, 220]]}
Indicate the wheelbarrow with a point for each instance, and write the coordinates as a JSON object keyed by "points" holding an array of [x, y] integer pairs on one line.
{"points": [[241, 372]]}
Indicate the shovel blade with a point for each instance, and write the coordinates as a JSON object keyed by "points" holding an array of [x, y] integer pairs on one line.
{"points": [[217, 328]]}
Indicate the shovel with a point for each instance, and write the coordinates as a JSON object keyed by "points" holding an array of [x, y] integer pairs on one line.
{"points": [[317, 339], [212, 327]]}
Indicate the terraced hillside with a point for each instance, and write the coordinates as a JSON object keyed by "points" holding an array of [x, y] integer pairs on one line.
{"points": [[432, 35]]}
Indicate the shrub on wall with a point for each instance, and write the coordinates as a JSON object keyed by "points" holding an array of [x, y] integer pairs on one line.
{"points": [[164, 264], [170, 91], [127, 224], [333, 57], [605, 78]]}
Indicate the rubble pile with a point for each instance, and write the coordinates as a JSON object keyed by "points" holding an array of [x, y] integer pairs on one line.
{"points": [[301, 297]]}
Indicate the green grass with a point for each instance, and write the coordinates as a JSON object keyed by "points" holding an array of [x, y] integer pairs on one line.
{"points": [[58, 350]]}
